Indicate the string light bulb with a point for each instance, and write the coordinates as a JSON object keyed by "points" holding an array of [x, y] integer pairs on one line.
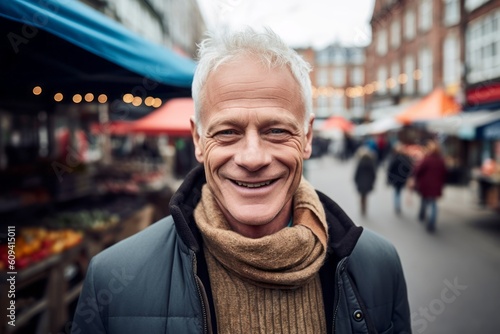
{"points": [[77, 98], [136, 101], [102, 98], [149, 101], [128, 98], [58, 97], [157, 102], [89, 97]]}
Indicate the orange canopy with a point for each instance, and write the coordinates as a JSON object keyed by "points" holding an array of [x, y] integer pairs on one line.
{"points": [[435, 105], [337, 122], [171, 119]]}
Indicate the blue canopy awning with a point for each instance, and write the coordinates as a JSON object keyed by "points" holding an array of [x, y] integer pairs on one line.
{"points": [[471, 125], [67, 44]]}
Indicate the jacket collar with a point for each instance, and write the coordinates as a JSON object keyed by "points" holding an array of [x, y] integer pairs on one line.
{"points": [[343, 234]]}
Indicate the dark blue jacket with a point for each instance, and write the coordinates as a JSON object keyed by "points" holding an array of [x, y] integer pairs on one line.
{"points": [[157, 282]]}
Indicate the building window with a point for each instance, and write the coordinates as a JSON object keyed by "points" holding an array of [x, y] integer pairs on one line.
{"points": [[142, 22], [339, 57], [339, 77], [410, 24], [483, 48], [425, 64], [409, 86], [322, 109], [357, 103], [337, 103], [357, 56], [322, 102], [451, 60], [357, 76], [382, 42], [322, 57], [322, 78], [393, 81], [470, 5], [381, 79], [451, 12], [395, 34], [425, 15]]}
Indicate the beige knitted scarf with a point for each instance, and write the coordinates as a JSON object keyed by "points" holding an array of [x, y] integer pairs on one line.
{"points": [[269, 284]]}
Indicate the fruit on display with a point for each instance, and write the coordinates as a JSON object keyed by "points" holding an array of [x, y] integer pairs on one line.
{"points": [[34, 244], [119, 186], [489, 167], [94, 220]]}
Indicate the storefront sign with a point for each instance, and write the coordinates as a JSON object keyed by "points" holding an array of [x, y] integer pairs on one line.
{"points": [[492, 131], [486, 92]]}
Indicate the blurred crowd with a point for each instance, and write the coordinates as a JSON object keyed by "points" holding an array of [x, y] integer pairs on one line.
{"points": [[418, 168]]}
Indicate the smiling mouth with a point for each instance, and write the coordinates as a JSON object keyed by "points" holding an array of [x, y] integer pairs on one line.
{"points": [[253, 185]]}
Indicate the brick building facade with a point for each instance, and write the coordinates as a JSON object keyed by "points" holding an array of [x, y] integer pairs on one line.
{"points": [[416, 46], [420, 45], [482, 54], [338, 77]]}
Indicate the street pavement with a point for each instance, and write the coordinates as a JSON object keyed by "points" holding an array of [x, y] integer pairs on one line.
{"points": [[453, 274]]}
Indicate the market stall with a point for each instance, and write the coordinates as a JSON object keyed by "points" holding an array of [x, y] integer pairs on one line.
{"points": [[487, 175], [377, 127], [65, 68], [171, 121], [465, 144], [433, 106]]}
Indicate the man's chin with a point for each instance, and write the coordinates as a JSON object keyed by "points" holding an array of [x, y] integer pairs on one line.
{"points": [[253, 220], [255, 228], [256, 213]]}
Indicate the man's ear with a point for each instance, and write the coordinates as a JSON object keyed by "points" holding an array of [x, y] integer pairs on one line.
{"points": [[306, 154], [198, 151]]}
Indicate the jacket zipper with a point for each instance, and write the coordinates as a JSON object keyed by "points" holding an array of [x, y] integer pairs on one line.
{"points": [[207, 327], [336, 298]]}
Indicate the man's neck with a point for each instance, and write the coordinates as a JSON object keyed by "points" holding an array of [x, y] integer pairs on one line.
{"points": [[280, 221]]}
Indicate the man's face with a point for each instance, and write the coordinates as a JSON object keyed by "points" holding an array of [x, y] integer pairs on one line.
{"points": [[253, 143]]}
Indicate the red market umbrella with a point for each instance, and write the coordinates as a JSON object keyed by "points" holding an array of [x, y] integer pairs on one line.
{"points": [[119, 128], [337, 122], [171, 119]]}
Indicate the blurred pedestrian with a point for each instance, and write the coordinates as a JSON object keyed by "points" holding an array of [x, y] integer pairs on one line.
{"points": [[382, 148], [348, 146], [251, 246], [399, 170], [371, 143], [365, 175], [430, 177]]}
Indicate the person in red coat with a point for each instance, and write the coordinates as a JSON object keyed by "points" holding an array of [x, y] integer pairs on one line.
{"points": [[430, 177]]}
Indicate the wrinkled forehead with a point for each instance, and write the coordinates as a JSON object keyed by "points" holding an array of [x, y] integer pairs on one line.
{"points": [[252, 79], [248, 77], [250, 68]]}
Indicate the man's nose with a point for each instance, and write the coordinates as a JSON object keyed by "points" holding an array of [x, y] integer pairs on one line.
{"points": [[253, 154]]}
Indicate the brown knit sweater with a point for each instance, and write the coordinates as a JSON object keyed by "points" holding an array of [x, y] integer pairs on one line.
{"points": [[270, 284]]}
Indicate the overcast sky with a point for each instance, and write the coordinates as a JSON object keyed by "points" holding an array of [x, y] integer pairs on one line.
{"points": [[300, 23]]}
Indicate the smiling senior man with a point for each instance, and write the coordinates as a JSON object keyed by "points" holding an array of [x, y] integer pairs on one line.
{"points": [[250, 246]]}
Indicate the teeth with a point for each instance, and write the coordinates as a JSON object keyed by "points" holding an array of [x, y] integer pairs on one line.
{"points": [[253, 185]]}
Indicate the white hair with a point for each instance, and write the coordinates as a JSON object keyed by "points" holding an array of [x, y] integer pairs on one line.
{"points": [[223, 46]]}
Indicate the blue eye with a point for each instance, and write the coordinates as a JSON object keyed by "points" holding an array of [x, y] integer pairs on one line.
{"points": [[277, 131], [225, 132]]}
